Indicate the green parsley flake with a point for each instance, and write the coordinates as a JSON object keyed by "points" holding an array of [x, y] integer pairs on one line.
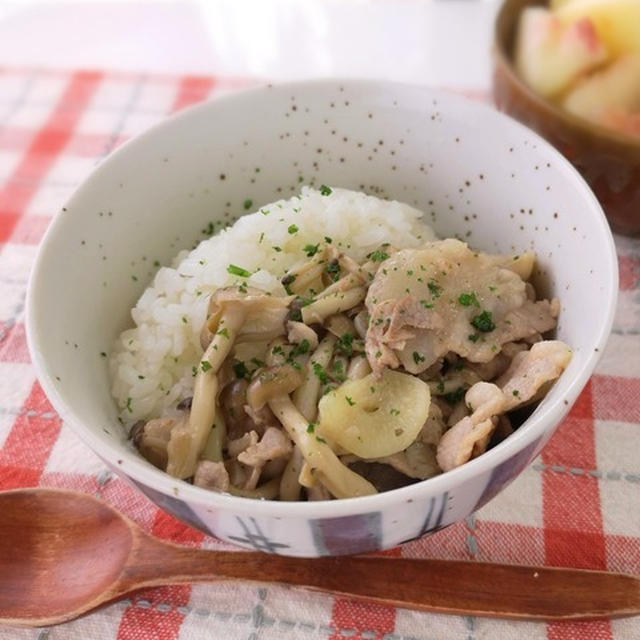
{"points": [[328, 240], [350, 401], [468, 299], [338, 367], [426, 305], [434, 288], [103, 354], [378, 255], [516, 393], [234, 270], [333, 269], [474, 337], [205, 365], [311, 249], [299, 349], [321, 374], [194, 371], [325, 191], [417, 358], [453, 397], [248, 203], [223, 332], [394, 412], [240, 369], [344, 344], [128, 405], [184, 319], [311, 427], [319, 439], [483, 322], [292, 228]]}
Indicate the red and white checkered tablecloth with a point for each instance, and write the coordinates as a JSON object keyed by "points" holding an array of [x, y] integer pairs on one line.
{"points": [[578, 505]]}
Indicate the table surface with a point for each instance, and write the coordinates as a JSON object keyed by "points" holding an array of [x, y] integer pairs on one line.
{"points": [[577, 505]]}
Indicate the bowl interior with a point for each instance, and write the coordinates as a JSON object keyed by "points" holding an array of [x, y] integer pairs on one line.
{"points": [[475, 173]]}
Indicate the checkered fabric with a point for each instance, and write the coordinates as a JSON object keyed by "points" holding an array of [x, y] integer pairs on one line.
{"points": [[578, 505]]}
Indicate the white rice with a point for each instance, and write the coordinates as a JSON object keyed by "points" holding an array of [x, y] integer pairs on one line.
{"points": [[152, 364]]}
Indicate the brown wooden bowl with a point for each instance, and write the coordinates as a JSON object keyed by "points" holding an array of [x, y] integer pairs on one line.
{"points": [[609, 161]]}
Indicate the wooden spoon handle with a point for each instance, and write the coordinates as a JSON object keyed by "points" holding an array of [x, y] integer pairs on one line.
{"points": [[429, 585]]}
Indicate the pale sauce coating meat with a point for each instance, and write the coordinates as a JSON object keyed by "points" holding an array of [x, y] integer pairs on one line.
{"points": [[425, 303]]}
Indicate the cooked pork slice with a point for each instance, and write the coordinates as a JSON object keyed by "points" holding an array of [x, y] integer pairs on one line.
{"points": [[470, 436], [458, 444], [273, 444], [490, 370], [532, 370], [484, 400], [445, 297], [237, 446], [211, 475]]}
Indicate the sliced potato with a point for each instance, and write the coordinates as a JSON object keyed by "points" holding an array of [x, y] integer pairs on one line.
{"points": [[375, 417]]}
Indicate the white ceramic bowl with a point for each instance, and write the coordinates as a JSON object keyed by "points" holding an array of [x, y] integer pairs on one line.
{"points": [[476, 174]]}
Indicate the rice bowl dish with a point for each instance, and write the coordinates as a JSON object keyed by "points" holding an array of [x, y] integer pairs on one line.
{"points": [[330, 346]]}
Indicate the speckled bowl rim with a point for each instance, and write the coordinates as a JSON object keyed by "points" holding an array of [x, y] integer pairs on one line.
{"points": [[534, 428], [585, 127]]}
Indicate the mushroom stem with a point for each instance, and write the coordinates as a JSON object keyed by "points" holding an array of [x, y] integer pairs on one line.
{"points": [[305, 397], [187, 443], [336, 302], [358, 368], [218, 434], [325, 465], [267, 491], [289, 485]]}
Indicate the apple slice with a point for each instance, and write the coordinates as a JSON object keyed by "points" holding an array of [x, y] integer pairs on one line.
{"points": [[550, 56], [617, 22], [610, 97], [556, 4]]}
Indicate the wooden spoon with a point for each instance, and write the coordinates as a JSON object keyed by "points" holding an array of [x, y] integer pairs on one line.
{"points": [[64, 553]]}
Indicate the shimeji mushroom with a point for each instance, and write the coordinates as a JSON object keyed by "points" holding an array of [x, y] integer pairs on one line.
{"points": [[336, 302], [301, 277], [311, 452], [323, 463], [234, 312], [271, 382], [305, 397]]}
